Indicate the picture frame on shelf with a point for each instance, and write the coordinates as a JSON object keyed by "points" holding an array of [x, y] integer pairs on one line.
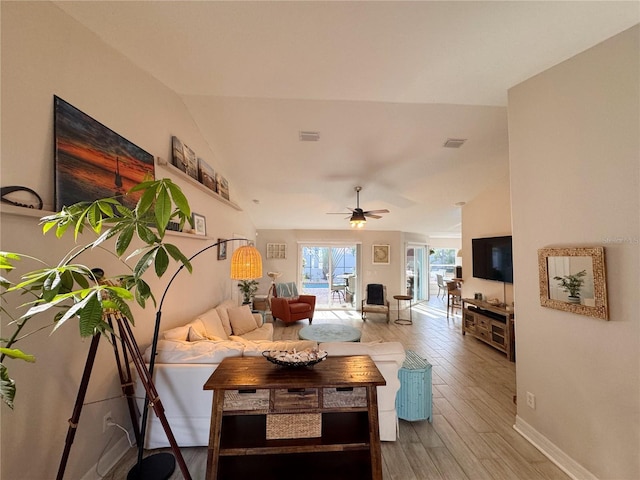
{"points": [[92, 161], [207, 175], [222, 249], [184, 158], [223, 186], [199, 224], [574, 280], [380, 254]]}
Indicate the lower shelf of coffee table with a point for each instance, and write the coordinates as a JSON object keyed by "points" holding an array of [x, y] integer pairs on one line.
{"points": [[245, 435], [345, 465]]}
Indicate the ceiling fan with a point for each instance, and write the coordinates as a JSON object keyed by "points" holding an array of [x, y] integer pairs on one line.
{"points": [[358, 216]]}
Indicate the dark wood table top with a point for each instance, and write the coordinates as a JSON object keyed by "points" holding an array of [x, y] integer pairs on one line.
{"points": [[258, 372]]}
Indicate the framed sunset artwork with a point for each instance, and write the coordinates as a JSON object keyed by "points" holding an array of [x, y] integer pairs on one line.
{"points": [[92, 161]]}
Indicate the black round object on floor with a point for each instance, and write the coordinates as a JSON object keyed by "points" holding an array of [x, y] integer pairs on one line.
{"points": [[154, 467]]}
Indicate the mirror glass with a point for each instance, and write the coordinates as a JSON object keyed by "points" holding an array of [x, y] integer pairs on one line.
{"points": [[571, 280]]}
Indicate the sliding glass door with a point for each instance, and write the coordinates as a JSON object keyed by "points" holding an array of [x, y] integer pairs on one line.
{"points": [[329, 273], [417, 272]]}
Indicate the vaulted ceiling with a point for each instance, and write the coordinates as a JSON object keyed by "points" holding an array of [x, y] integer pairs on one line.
{"points": [[384, 83]]}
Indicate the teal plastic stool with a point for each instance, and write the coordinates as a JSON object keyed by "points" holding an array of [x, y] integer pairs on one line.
{"points": [[413, 401]]}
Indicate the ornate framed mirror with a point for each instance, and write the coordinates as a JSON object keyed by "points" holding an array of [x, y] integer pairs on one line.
{"points": [[573, 280]]}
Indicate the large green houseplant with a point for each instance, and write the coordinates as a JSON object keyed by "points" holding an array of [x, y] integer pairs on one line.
{"points": [[248, 288], [71, 289]]}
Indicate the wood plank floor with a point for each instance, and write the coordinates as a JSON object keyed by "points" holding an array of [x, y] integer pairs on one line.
{"points": [[471, 436]]}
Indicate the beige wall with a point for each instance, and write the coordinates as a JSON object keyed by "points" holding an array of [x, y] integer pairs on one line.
{"points": [[45, 52], [487, 215], [391, 275], [574, 154]]}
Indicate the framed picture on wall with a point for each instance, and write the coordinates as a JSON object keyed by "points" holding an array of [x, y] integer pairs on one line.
{"points": [[92, 161], [222, 249], [199, 224], [380, 254]]}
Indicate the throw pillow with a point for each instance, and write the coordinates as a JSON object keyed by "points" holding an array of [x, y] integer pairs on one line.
{"points": [[242, 320], [178, 333], [224, 316], [213, 324]]}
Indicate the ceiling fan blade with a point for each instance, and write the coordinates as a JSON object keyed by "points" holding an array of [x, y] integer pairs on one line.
{"points": [[377, 211], [368, 215]]}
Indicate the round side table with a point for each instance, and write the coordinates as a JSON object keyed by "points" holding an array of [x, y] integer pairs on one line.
{"points": [[404, 321]]}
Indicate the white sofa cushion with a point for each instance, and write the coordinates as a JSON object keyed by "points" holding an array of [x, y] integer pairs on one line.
{"points": [[171, 351], [241, 320], [265, 332], [224, 316], [213, 324]]}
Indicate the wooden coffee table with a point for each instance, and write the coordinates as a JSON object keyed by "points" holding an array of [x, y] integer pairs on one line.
{"points": [[339, 393]]}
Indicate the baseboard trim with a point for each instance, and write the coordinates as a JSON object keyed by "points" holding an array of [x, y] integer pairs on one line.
{"points": [[109, 459], [563, 461]]}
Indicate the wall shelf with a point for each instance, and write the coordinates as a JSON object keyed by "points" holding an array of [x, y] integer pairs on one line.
{"points": [[192, 181], [7, 209]]}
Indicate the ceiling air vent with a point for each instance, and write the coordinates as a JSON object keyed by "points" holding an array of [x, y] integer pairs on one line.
{"points": [[309, 136], [454, 142]]}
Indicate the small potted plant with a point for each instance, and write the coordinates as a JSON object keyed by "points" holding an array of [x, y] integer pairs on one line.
{"points": [[572, 285], [248, 288]]}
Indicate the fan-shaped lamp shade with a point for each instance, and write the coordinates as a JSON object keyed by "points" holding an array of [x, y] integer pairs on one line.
{"points": [[246, 263], [357, 220], [459, 254]]}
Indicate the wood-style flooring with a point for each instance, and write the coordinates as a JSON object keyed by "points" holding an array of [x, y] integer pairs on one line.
{"points": [[471, 437]]}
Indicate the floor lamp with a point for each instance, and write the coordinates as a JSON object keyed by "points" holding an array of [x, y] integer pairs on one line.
{"points": [[246, 264]]}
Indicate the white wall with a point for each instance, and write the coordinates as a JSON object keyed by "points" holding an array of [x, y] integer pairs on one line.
{"points": [[574, 154], [487, 215], [45, 52]]}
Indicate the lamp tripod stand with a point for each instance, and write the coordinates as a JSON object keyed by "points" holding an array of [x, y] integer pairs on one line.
{"points": [[128, 348]]}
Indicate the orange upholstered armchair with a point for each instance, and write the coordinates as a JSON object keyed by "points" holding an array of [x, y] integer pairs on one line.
{"points": [[290, 307]]}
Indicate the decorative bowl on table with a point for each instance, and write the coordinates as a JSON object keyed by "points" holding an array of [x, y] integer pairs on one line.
{"points": [[303, 358]]}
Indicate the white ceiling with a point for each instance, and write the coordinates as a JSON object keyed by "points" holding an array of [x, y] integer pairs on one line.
{"points": [[385, 84]]}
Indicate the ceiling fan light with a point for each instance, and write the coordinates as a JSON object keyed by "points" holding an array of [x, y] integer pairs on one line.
{"points": [[357, 220]]}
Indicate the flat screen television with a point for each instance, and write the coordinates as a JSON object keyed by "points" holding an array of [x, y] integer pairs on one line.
{"points": [[492, 258]]}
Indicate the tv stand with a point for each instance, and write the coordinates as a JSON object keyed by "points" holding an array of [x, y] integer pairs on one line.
{"points": [[492, 324]]}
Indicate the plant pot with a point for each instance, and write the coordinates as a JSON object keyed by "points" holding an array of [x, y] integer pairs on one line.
{"points": [[572, 299]]}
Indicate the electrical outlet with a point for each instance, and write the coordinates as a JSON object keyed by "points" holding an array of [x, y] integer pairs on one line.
{"points": [[105, 421], [531, 400]]}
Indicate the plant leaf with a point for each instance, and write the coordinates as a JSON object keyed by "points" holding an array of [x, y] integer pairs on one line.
{"points": [[178, 256], [145, 202], [161, 261], [17, 354], [7, 387], [124, 240], [163, 210], [91, 317], [144, 262], [179, 199]]}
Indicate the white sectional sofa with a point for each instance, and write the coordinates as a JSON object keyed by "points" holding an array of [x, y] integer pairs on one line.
{"points": [[187, 355]]}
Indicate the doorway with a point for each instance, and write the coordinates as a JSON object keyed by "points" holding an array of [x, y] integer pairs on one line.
{"points": [[329, 272], [417, 268]]}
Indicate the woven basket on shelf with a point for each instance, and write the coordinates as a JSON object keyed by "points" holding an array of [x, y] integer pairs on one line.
{"points": [[294, 425]]}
